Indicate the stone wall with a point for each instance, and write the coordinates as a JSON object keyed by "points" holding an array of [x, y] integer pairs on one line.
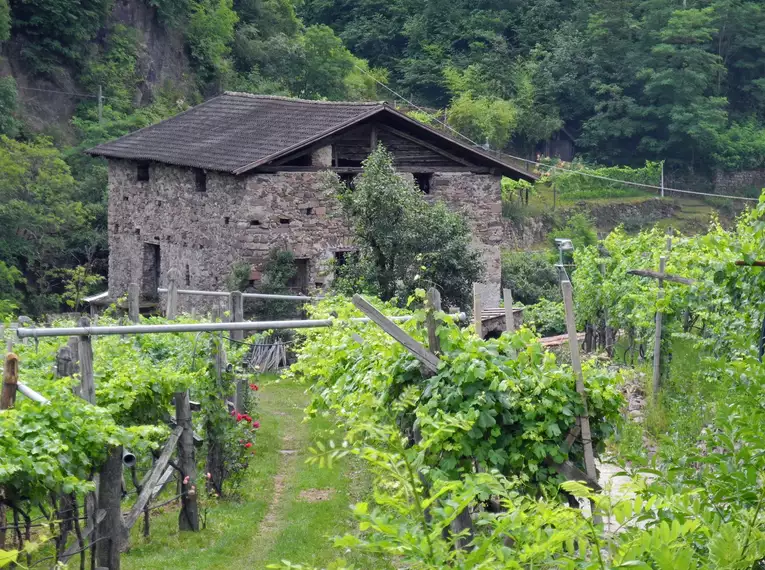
{"points": [[204, 234], [740, 182]]}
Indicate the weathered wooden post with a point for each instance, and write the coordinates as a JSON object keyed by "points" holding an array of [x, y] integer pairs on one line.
{"points": [[85, 348], [434, 306], [173, 276], [7, 400], [477, 311], [65, 365], [10, 381], [188, 519], [507, 294], [576, 364], [134, 302], [237, 313], [656, 384], [111, 529]]}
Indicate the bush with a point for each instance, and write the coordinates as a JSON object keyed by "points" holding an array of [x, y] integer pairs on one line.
{"points": [[531, 276], [548, 318]]}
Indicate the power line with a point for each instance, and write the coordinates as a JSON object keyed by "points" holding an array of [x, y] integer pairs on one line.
{"points": [[551, 167], [70, 93]]}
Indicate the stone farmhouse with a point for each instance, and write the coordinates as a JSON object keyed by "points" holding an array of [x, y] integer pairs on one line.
{"points": [[239, 175]]}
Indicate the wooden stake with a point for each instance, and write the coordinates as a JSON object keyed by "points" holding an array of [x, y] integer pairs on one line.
{"points": [[87, 383], [420, 352], [657, 335], [111, 530], [507, 294], [237, 313], [576, 364], [173, 276], [188, 519], [434, 306], [134, 302], [65, 364], [477, 311], [10, 381]]}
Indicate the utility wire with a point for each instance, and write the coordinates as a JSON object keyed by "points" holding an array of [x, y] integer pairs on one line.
{"points": [[551, 167], [73, 94]]}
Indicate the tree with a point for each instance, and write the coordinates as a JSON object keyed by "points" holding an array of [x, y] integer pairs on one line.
{"points": [[404, 242], [210, 34]]}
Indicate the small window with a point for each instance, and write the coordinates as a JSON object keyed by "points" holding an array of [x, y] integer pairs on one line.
{"points": [[284, 221], [309, 211], [348, 178], [200, 177], [142, 172], [422, 180], [116, 228], [343, 257], [125, 198], [254, 222], [159, 203], [226, 220], [138, 231], [188, 275]]}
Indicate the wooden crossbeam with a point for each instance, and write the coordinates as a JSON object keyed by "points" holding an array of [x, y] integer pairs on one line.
{"points": [[428, 359], [151, 483], [666, 276]]}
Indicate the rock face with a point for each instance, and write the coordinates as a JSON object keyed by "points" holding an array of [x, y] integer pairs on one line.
{"points": [[168, 221]]}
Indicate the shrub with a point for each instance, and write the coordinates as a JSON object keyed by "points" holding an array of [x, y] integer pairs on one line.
{"points": [[548, 318], [531, 276]]}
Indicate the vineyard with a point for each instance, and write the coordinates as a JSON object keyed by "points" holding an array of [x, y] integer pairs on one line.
{"points": [[478, 452]]}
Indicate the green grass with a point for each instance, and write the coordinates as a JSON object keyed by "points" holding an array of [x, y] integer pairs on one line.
{"points": [[268, 522]]}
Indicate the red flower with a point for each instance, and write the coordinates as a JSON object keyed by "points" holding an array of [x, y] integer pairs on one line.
{"points": [[256, 424], [233, 413], [239, 417], [248, 418], [247, 445], [254, 387]]}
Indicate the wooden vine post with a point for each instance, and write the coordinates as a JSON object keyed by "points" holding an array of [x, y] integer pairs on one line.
{"points": [[188, 519], [576, 364], [134, 302], [477, 308], [85, 348], [656, 383], [507, 295], [434, 306], [173, 276], [7, 400]]}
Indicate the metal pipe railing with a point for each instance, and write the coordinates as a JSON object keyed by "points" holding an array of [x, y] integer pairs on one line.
{"points": [[197, 327], [244, 295], [31, 394]]}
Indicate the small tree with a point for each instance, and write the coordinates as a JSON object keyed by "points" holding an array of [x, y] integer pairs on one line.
{"points": [[403, 240]]}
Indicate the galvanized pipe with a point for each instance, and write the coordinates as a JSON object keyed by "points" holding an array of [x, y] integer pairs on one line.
{"points": [[31, 394], [245, 295], [196, 327]]}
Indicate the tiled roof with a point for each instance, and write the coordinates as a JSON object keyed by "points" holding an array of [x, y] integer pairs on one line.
{"points": [[234, 130]]}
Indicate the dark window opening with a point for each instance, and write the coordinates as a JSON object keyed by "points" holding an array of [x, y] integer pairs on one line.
{"points": [[284, 221], [142, 172], [188, 275], [348, 163], [318, 284], [343, 257], [422, 180], [348, 179], [309, 211], [156, 238], [116, 228], [299, 281], [125, 198], [254, 222], [138, 231], [304, 160], [200, 177], [151, 270], [159, 203], [226, 220]]}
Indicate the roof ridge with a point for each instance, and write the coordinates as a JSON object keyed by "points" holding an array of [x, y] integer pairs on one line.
{"points": [[298, 100]]}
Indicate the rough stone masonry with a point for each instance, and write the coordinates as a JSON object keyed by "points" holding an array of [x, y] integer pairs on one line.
{"points": [[170, 221]]}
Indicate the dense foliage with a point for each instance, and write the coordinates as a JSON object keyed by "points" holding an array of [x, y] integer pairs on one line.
{"points": [[403, 239], [631, 80]]}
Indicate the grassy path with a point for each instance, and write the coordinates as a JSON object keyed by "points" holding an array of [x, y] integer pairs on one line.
{"points": [[286, 510]]}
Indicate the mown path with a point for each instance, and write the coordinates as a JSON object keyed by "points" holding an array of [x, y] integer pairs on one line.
{"points": [[286, 510]]}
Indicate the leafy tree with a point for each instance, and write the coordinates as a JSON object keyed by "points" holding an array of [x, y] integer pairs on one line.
{"points": [[531, 276], [5, 20], [9, 124], [484, 119], [209, 34], [10, 295], [403, 240]]}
